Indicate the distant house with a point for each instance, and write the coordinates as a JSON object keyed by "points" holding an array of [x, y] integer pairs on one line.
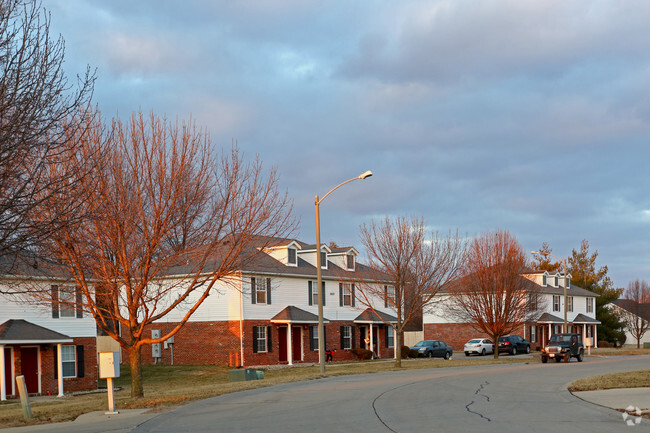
{"points": [[635, 311], [268, 312], [548, 318], [53, 347]]}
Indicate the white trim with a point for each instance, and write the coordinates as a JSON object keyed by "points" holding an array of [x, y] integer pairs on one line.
{"points": [[24, 342]]}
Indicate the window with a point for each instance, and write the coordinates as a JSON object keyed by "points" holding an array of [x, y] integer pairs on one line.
{"points": [[346, 294], [260, 290], [292, 258], [389, 296], [532, 302], [531, 332], [69, 361], [313, 337], [567, 282], [312, 296], [569, 303], [323, 260], [66, 302], [557, 329], [544, 280], [590, 305], [346, 337], [350, 262], [556, 302], [556, 281], [261, 339], [390, 336]]}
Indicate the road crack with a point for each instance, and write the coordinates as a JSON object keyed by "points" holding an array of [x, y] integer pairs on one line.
{"points": [[478, 392]]}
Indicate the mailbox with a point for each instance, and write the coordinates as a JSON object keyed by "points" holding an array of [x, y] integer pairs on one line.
{"points": [[109, 365]]}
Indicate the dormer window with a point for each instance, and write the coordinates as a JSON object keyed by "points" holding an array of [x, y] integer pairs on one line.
{"points": [[323, 259], [567, 282], [350, 262], [544, 283], [292, 258], [556, 281]]}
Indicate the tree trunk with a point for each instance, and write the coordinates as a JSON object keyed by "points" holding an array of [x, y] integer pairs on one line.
{"points": [[135, 362], [496, 347], [398, 349]]}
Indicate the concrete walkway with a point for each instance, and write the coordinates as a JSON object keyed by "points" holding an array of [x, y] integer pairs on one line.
{"points": [[618, 398]]}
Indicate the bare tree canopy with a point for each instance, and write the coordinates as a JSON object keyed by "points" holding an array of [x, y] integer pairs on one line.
{"points": [[493, 294], [634, 310], [414, 263], [165, 219], [38, 106]]}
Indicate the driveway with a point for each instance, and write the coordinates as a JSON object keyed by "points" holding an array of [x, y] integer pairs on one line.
{"points": [[505, 398]]}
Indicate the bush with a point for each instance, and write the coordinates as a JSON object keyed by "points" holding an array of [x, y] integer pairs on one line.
{"points": [[604, 344], [362, 353], [413, 353], [405, 352]]}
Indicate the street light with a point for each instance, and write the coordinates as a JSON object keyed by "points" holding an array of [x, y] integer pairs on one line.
{"points": [[321, 326], [565, 277]]}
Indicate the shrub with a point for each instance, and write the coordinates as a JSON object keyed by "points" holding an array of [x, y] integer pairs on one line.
{"points": [[405, 352], [604, 344], [413, 353], [362, 353]]}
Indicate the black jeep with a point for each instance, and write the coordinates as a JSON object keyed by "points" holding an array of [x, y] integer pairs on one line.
{"points": [[564, 346]]}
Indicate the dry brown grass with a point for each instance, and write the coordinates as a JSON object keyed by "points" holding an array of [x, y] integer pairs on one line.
{"points": [[630, 379]]}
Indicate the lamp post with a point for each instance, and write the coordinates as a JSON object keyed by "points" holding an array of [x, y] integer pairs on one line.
{"points": [[319, 277], [565, 284]]}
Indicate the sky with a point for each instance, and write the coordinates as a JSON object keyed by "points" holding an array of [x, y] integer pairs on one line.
{"points": [[477, 115]]}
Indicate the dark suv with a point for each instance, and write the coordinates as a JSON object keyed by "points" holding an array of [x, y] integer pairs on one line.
{"points": [[564, 346], [513, 344]]}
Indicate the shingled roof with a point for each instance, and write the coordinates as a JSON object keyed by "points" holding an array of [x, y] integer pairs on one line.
{"points": [[293, 314], [19, 331]]}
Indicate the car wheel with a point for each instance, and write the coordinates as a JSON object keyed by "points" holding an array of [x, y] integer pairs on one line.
{"points": [[513, 351], [447, 355], [430, 354], [527, 349], [544, 360], [567, 357], [483, 352], [557, 358], [466, 353], [580, 355]]}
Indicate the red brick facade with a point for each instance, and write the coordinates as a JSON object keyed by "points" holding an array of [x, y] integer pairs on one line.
{"points": [[47, 361], [454, 334], [218, 343]]}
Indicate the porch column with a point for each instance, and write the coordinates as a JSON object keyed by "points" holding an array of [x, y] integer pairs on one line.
{"points": [[59, 367], [290, 345], [595, 335], [550, 330], [584, 331], [3, 382], [372, 349]]}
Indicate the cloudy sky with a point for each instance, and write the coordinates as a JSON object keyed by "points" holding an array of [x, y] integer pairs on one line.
{"points": [[530, 116]]}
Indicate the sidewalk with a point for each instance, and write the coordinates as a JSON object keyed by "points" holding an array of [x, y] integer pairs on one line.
{"points": [[618, 398]]}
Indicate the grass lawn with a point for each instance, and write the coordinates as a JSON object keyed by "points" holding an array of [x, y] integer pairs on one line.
{"points": [[167, 386]]}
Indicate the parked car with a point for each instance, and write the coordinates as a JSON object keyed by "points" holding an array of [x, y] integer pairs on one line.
{"points": [[479, 346], [563, 346], [433, 349], [513, 344]]}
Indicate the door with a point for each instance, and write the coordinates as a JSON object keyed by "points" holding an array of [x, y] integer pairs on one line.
{"points": [[29, 368], [282, 342], [362, 338], [9, 380], [296, 343]]}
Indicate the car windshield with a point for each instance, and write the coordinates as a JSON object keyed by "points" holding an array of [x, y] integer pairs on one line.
{"points": [[423, 344], [503, 339], [560, 338], [474, 341]]}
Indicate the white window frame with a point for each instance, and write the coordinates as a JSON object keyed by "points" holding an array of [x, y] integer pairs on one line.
{"points": [[390, 341], [569, 304], [314, 292], [260, 333], [295, 257], [532, 302], [590, 305], [532, 330], [390, 293], [556, 303], [67, 302], [323, 259], [347, 294], [346, 338], [67, 360], [260, 291], [350, 258], [314, 335]]}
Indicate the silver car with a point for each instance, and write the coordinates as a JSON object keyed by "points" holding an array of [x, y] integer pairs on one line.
{"points": [[479, 346]]}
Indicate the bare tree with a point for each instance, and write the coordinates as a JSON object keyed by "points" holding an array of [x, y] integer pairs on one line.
{"points": [[37, 108], [492, 294], [166, 219], [414, 265], [634, 310]]}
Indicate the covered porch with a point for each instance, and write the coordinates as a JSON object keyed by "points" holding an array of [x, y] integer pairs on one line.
{"points": [[291, 323], [374, 332]]}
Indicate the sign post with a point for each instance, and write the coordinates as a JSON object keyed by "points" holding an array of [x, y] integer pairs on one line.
{"points": [[109, 367], [24, 397]]}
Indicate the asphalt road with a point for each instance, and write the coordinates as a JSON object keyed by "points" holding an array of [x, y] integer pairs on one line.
{"points": [[499, 398]]}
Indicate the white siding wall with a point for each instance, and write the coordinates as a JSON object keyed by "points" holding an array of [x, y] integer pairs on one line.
{"points": [[12, 307]]}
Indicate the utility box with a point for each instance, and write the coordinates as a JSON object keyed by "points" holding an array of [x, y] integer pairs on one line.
{"points": [[109, 364], [167, 342], [245, 374], [155, 348]]}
